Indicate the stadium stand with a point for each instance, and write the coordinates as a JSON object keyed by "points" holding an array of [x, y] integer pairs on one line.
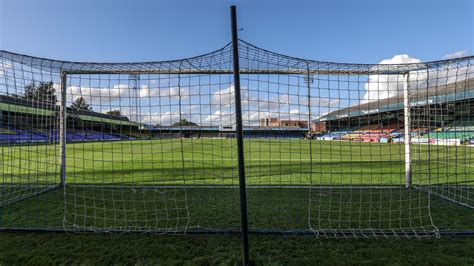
{"points": [[461, 125], [19, 135], [334, 135], [381, 134], [358, 134], [433, 117], [463, 136], [282, 135]]}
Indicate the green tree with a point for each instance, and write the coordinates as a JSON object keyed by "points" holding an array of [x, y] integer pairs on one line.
{"points": [[30, 91], [44, 92], [184, 122], [114, 112], [81, 104]]}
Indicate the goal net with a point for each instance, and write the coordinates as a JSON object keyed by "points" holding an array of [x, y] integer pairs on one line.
{"points": [[442, 113], [330, 149]]}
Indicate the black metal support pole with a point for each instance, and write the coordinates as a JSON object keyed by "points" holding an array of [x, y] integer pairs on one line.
{"points": [[240, 138], [62, 129]]}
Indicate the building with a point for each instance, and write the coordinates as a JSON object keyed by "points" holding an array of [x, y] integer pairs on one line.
{"points": [[318, 127], [269, 122], [276, 122]]}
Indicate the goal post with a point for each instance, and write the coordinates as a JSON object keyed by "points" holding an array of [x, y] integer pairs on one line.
{"points": [[63, 128], [407, 125]]}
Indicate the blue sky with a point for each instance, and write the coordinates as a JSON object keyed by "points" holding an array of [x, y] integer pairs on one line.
{"points": [[141, 30]]}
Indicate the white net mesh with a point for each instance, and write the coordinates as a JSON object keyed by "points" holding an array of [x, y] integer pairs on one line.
{"points": [[150, 147]]}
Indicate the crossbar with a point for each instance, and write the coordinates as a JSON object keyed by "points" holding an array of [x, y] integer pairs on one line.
{"points": [[242, 71]]}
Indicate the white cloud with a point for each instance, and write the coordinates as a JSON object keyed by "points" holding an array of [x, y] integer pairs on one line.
{"points": [[166, 118], [104, 95], [281, 105], [455, 55], [294, 112], [153, 118], [94, 95], [173, 92], [386, 86], [219, 110], [225, 98], [218, 118], [317, 102]]}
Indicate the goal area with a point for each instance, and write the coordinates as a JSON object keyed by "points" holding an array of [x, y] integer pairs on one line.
{"points": [[327, 149]]}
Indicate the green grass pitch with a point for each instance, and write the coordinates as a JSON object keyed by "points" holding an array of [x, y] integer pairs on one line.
{"points": [[190, 184], [213, 162]]}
